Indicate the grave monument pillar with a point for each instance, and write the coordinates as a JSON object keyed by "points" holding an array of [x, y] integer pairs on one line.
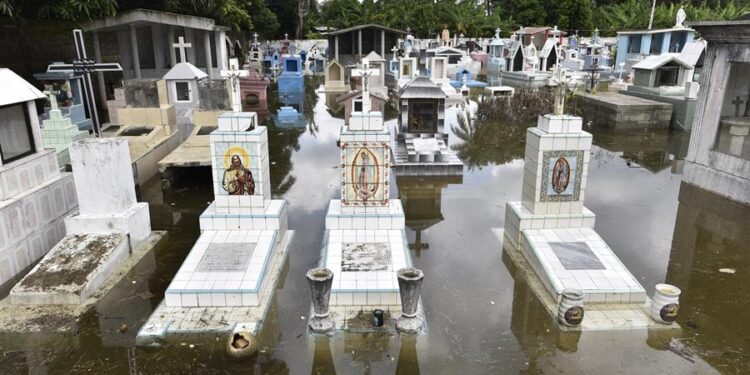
{"points": [[106, 191], [207, 53], [134, 52], [172, 54]]}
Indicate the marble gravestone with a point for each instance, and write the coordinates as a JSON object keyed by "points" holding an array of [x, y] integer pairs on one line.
{"points": [[365, 241], [550, 226], [59, 132], [238, 257], [35, 196], [292, 78]]}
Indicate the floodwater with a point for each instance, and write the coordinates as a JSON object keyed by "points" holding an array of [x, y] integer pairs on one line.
{"points": [[482, 316]]}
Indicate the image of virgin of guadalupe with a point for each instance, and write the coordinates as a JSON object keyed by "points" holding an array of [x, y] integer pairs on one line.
{"points": [[364, 191], [238, 180], [560, 175]]}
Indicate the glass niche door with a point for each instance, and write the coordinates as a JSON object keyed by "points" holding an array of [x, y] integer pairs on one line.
{"points": [[733, 134], [16, 138], [423, 116]]}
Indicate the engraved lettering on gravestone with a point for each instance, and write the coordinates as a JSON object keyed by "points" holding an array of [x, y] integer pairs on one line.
{"points": [[226, 257], [366, 257], [576, 256]]}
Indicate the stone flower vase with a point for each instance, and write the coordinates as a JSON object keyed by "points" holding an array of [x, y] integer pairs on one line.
{"points": [[570, 310], [321, 281], [666, 303], [410, 287]]}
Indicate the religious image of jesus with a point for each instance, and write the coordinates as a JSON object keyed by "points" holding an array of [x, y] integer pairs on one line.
{"points": [[238, 180]]}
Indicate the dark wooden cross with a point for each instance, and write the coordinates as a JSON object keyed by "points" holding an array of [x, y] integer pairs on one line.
{"points": [[737, 102], [83, 66]]}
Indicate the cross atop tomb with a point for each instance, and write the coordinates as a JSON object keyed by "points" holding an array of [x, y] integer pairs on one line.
{"points": [[83, 66], [395, 52], [233, 74], [52, 97], [497, 33], [365, 72], [255, 39], [181, 45], [559, 79]]}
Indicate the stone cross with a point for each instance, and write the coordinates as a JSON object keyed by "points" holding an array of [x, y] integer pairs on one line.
{"points": [[558, 77], [52, 97], [395, 52], [497, 33], [737, 102], [286, 36], [255, 38], [233, 74], [181, 45]]}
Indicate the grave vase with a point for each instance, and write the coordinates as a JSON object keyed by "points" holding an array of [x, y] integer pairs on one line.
{"points": [[570, 310], [410, 287], [666, 303], [321, 281]]}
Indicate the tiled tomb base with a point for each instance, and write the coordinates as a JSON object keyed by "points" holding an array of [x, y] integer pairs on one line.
{"points": [[75, 269], [598, 316], [425, 155], [229, 317], [364, 250], [224, 268]]}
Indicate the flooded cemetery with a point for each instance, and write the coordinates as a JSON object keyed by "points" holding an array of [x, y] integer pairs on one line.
{"points": [[178, 199]]}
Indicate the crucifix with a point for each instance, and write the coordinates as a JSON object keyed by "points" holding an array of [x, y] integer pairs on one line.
{"points": [[83, 66], [181, 45], [233, 74], [365, 72], [737, 102], [559, 78]]}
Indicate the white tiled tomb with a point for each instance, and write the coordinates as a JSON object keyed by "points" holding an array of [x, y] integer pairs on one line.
{"points": [[552, 229]]}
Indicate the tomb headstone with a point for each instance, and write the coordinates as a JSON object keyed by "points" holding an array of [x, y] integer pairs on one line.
{"points": [[335, 77], [292, 78], [59, 132]]}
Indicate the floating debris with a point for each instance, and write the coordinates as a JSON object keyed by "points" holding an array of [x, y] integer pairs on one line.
{"points": [[727, 270]]}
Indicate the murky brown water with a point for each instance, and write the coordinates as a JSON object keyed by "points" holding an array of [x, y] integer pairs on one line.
{"points": [[482, 317]]}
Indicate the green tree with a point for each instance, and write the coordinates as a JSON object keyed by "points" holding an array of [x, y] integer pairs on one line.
{"points": [[575, 15], [528, 12]]}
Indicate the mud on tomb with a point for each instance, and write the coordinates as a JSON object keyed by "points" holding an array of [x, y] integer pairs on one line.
{"points": [[78, 257]]}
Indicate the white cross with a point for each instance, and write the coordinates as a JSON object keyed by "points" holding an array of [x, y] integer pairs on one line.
{"points": [[497, 33], [181, 46], [395, 52], [255, 38], [233, 74], [365, 72], [286, 36], [559, 79]]}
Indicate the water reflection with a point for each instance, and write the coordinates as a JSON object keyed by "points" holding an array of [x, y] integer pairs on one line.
{"points": [[711, 234], [421, 197], [408, 362], [322, 357]]}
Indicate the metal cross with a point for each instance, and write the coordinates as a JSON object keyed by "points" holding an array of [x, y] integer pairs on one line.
{"points": [[181, 45], [83, 66], [233, 74], [737, 102]]}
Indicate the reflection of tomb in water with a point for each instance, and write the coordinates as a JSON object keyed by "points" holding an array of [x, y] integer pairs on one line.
{"points": [[408, 361], [536, 331], [290, 115], [711, 234], [654, 150], [422, 201], [335, 109], [367, 349]]}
